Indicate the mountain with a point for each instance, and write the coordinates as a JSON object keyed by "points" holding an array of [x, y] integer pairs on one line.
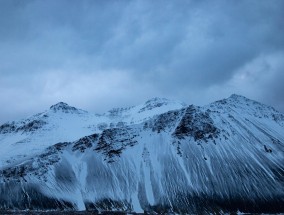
{"points": [[162, 156]]}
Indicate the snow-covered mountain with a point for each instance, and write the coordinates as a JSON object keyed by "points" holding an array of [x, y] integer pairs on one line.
{"points": [[161, 156]]}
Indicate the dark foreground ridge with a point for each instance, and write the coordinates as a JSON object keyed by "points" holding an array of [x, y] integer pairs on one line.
{"points": [[65, 213]]}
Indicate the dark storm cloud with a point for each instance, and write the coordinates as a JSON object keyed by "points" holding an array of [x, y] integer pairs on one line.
{"points": [[122, 52]]}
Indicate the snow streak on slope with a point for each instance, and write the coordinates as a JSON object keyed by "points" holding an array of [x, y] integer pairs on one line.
{"points": [[160, 156]]}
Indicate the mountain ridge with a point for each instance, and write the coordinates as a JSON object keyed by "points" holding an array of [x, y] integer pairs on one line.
{"points": [[223, 157]]}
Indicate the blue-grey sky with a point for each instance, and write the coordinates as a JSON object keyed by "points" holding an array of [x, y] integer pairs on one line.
{"points": [[96, 54]]}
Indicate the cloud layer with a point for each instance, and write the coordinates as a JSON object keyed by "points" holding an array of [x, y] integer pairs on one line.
{"points": [[101, 54]]}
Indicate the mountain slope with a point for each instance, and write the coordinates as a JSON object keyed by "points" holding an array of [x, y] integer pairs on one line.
{"points": [[28, 137], [226, 156]]}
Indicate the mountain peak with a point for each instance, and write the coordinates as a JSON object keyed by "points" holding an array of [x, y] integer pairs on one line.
{"points": [[238, 97], [234, 100], [156, 100], [59, 105], [64, 107]]}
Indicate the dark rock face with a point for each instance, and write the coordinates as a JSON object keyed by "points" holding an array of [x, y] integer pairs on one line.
{"points": [[165, 122], [113, 141], [8, 128], [196, 124], [117, 112], [32, 126], [85, 142], [23, 126]]}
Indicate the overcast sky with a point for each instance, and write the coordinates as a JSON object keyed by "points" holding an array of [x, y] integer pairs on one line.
{"points": [[96, 55]]}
